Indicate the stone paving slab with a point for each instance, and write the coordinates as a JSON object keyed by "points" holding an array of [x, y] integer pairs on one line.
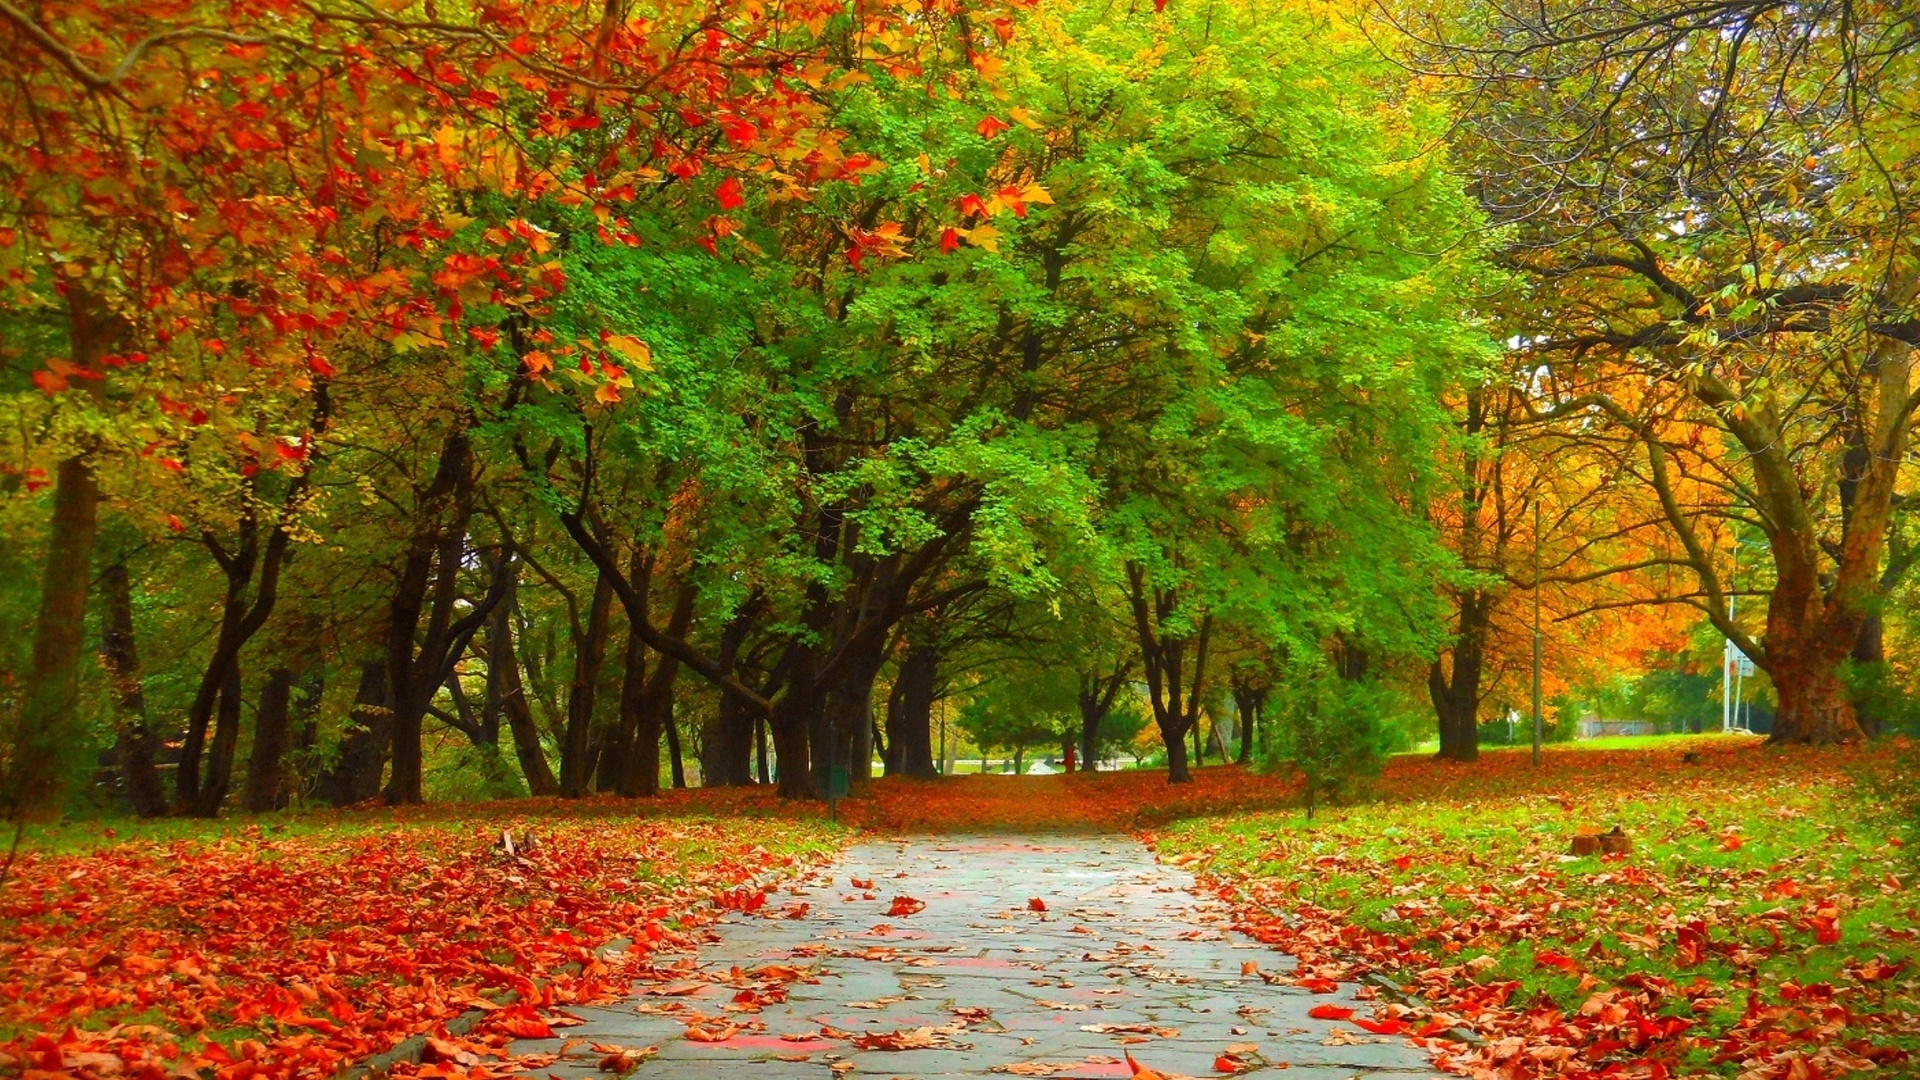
{"points": [[1125, 957]]}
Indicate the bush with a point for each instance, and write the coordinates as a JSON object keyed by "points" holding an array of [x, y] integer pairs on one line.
{"points": [[1335, 733]]}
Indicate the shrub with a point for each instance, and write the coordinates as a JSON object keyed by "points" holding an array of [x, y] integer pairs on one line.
{"points": [[1334, 732]]}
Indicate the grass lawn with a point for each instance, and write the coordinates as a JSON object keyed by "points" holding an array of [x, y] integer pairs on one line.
{"points": [[302, 943], [1764, 924]]}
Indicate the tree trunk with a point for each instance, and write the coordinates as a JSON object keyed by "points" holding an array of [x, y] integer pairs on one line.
{"points": [[1176, 742], [726, 751], [48, 719], [760, 750], [425, 639], [187, 786], [631, 764], [505, 686], [851, 706], [589, 654], [1248, 701], [789, 731], [1815, 706], [676, 764], [265, 787], [220, 751], [354, 776], [1870, 652], [910, 724], [134, 744], [1456, 698]]}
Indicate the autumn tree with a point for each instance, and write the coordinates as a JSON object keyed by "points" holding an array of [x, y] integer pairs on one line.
{"points": [[1738, 258]]}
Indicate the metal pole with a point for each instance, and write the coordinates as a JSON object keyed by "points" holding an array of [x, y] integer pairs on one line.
{"points": [[1728, 711], [1537, 721]]}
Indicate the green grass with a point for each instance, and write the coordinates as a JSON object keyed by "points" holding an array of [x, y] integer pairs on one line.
{"points": [[1751, 842]]}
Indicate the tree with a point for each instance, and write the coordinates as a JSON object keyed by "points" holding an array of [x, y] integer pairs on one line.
{"points": [[1737, 260], [1328, 730]]}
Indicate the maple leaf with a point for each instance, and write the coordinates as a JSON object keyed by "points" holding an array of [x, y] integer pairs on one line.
{"points": [[990, 126], [949, 240], [984, 237], [637, 352], [730, 194], [1330, 1012], [903, 906], [1036, 904]]}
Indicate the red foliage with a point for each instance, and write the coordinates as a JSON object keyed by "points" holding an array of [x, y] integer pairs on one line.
{"points": [[306, 954]]}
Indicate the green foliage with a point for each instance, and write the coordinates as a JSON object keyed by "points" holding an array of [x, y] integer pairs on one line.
{"points": [[1334, 732]]}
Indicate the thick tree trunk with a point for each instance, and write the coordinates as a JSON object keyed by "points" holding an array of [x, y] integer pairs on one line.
{"points": [[851, 707], [910, 713], [789, 729], [1175, 740], [48, 719], [590, 653], [1456, 699], [265, 787], [47, 724], [354, 776], [1815, 706], [726, 751], [1090, 734], [134, 744], [621, 767], [1870, 652]]}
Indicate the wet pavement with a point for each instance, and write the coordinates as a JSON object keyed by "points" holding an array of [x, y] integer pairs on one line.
{"points": [[1051, 956]]}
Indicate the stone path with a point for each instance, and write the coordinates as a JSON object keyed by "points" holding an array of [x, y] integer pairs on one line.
{"points": [[979, 981]]}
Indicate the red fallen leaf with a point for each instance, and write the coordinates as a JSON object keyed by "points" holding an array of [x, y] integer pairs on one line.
{"points": [[711, 1032], [903, 906], [1225, 1064], [1403, 862], [522, 1027], [1432, 1028], [1381, 1027], [1317, 986], [1731, 843], [1878, 970], [1826, 925], [1549, 958], [447, 1050], [1330, 1012], [861, 883], [1036, 904]]}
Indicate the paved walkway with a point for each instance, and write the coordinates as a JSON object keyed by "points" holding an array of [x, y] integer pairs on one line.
{"points": [[838, 977]]}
